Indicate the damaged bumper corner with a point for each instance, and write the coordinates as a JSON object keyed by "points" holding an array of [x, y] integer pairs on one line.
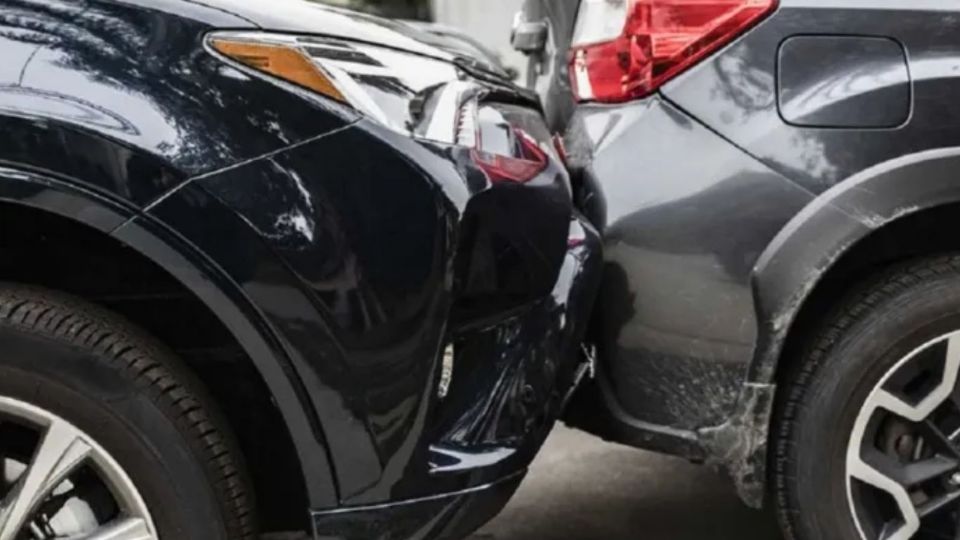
{"points": [[510, 380], [740, 445]]}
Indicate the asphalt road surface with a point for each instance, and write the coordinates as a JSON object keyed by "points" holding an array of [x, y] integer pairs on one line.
{"points": [[581, 488]]}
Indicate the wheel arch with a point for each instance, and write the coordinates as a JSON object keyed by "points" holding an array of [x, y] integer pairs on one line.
{"points": [[144, 240], [892, 211]]}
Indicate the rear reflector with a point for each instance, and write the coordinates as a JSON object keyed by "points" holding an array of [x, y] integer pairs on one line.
{"points": [[627, 49]]}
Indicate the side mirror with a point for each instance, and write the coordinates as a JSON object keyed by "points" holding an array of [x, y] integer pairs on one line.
{"points": [[528, 37]]}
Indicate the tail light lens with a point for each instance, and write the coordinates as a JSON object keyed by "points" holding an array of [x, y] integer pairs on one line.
{"points": [[626, 49]]}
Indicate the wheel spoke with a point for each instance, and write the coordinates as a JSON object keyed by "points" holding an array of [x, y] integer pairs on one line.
{"points": [[939, 440], [919, 472], [60, 452], [125, 529], [871, 475], [936, 505], [914, 473], [936, 397], [954, 437]]}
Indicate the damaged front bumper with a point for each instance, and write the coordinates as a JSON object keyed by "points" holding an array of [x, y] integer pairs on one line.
{"points": [[510, 380]]}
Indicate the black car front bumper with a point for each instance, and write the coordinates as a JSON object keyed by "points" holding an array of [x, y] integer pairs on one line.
{"points": [[514, 380], [369, 256]]}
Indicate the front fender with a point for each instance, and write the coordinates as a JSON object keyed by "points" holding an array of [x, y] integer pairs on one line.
{"points": [[152, 240]]}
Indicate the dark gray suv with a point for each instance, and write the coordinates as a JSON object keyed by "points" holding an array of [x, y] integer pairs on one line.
{"points": [[778, 187]]}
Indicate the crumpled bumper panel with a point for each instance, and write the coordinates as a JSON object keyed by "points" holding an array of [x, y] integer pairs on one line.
{"points": [[510, 381]]}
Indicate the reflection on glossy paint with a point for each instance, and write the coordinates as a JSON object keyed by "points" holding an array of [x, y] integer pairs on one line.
{"points": [[122, 76], [348, 253], [734, 93]]}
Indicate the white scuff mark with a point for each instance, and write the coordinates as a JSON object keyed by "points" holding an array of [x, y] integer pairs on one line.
{"points": [[302, 189], [875, 221], [295, 221]]}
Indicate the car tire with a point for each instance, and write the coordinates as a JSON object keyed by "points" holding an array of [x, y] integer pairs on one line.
{"points": [[888, 347], [136, 412]]}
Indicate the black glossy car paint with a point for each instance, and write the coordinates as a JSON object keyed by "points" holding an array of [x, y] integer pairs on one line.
{"points": [[724, 217], [337, 252]]}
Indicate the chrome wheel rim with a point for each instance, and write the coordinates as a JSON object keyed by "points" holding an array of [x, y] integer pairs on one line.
{"points": [[903, 456], [44, 462]]}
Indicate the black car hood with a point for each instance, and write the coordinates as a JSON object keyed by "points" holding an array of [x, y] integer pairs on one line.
{"points": [[305, 17]]}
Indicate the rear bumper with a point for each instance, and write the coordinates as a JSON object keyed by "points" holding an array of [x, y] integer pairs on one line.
{"points": [[684, 215]]}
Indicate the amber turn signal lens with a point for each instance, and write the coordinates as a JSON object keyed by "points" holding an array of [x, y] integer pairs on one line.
{"points": [[281, 61]]}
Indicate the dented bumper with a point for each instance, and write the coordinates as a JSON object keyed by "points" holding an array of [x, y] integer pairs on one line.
{"points": [[369, 272], [509, 383]]}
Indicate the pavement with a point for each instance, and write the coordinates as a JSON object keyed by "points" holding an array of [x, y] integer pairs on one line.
{"points": [[581, 488]]}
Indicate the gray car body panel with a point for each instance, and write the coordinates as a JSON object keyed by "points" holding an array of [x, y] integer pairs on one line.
{"points": [[735, 92], [676, 308], [720, 217]]}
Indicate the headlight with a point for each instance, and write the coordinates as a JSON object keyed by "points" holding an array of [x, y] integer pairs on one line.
{"points": [[423, 97], [392, 87]]}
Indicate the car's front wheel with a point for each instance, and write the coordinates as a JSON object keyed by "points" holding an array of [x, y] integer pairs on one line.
{"points": [[104, 435], [868, 437]]}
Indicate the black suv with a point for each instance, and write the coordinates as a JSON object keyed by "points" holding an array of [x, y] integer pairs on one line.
{"points": [[271, 268], [778, 189]]}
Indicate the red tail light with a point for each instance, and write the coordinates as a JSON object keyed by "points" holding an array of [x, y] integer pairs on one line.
{"points": [[626, 49]]}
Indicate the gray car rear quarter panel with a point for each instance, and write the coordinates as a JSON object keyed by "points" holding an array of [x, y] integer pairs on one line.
{"points": [[851, 171], [727, 216]]}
